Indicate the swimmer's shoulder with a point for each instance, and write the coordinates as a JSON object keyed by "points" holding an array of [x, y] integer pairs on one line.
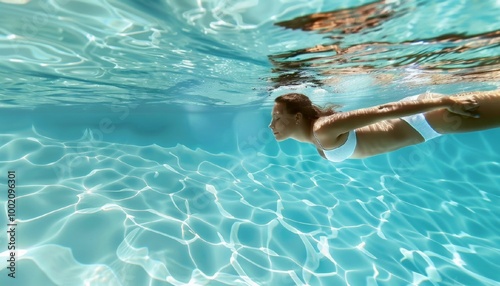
{"points": [[327, 136]]}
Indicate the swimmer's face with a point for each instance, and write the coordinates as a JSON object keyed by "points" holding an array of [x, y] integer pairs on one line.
{"points": [[282, 123]]}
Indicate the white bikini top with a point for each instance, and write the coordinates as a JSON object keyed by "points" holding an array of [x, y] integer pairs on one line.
{"points": [[342, 152]]}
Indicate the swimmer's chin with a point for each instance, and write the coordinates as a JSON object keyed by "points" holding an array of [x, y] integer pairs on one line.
{"points": [[278, 137]]}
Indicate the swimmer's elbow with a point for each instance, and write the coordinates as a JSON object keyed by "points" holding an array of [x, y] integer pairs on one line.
{"points": [[386, 108]]}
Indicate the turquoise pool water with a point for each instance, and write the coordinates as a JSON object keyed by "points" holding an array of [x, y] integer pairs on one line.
{"points": [[136, 135]]}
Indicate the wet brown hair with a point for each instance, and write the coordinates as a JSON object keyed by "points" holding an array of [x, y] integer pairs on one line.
{"points": [[298, 102]]}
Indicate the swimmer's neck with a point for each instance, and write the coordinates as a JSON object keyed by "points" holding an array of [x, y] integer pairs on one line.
{"points": [[305, 133]]}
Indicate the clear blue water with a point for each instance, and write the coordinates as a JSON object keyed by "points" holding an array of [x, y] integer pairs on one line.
{"points": [[138, 134]]}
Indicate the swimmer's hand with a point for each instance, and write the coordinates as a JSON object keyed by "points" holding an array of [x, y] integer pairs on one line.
{"points": [[463, 105]]}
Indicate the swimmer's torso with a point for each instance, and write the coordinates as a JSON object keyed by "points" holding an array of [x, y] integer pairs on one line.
{"points": [[384, 136]]}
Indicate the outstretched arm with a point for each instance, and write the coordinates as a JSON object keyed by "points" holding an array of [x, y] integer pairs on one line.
{"points": [[340, 123]]}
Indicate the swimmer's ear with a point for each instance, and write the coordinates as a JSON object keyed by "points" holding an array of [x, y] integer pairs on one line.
{"points": [[298, 116]]}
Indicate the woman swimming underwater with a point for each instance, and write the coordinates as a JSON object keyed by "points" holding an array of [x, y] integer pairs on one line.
{"points": [[370, 131]]}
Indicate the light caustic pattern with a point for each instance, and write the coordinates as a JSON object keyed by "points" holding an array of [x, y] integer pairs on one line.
{"points": [[116, 214]]}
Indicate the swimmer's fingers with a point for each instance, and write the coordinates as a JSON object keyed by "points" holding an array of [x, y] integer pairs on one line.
{"points": [[465, 106], [471, 107]]}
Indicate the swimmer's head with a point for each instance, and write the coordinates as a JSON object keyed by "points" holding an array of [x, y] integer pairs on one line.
{"points": [[292, 112]]}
